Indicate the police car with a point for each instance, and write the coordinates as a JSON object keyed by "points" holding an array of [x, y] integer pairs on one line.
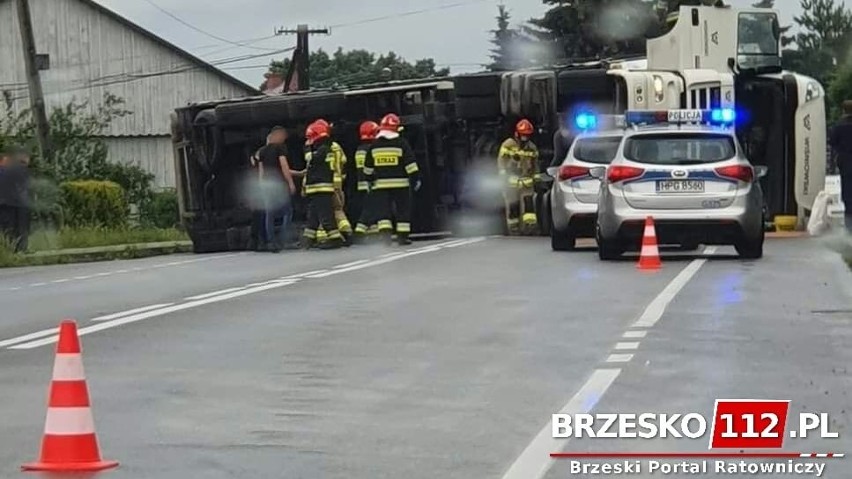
{"points": [[573, 198], [686, 169]]}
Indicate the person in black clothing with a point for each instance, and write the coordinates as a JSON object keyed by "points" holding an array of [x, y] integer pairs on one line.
{"points": [[258, 214], [277, 185], [391, 167], [840, 141], [14, 197], [319, 188]]}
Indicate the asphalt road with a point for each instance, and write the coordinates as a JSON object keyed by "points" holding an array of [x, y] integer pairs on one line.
{"points": [[442, 360]]}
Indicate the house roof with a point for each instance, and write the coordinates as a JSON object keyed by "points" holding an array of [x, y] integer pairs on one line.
{"points": [[171, 46]]}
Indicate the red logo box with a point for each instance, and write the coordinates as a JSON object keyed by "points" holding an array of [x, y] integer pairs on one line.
{"points": [[749, 424]]}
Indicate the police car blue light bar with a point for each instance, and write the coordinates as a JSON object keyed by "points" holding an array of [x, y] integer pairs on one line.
{"points": [[586, 121], [589, 121], [722, 116]]}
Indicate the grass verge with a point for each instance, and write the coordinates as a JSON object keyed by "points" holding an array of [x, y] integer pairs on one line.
{"points": [[93, 237], [50, 248]]}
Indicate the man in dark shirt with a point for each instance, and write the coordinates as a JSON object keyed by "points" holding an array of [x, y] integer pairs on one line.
{"points": [[14, 197], [840, 140], [277, 185]]}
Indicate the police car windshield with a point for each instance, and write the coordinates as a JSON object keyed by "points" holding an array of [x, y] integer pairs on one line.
{"points": [[599, 150], [680, 149]]}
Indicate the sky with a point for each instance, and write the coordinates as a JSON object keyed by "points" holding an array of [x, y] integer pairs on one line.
{"points": [[453, 32]]}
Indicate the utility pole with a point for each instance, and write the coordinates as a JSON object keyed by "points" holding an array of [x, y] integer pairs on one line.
{"points": [[302, 56], [33, 80]]}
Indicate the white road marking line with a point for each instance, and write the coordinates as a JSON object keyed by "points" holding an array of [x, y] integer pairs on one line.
{"points": [[122, 271], [132, 311], [16, 288], [466, 242], [635, 334], [37, 285], [448, 245], [251, 289], [311, 273], [626, 346], [215, 293], [619, 358], [155, 313], [81, 278], [28, 337], [535, 461], [655, 310], [102, 275], [354, 263], [60, 281]]}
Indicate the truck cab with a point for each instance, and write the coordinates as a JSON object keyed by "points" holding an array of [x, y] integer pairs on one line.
{"points": [[724, 57]]}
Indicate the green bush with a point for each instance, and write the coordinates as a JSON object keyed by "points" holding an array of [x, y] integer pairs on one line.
{"points": [[94, 204], [161, 211]]}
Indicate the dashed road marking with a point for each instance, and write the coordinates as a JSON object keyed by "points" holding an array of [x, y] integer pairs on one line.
{"points": [[535, 461], [354, 263], [139, 314], [215, 293], [635, 334], [619, 358], [153, 314], [132, 311], [122, 271], [28, 337]]}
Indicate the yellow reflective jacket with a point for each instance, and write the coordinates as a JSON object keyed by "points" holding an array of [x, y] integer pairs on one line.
{"points": [[518, 164]]}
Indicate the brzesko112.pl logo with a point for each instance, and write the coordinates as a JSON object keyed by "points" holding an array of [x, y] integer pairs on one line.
{"points": [[746, 437]]}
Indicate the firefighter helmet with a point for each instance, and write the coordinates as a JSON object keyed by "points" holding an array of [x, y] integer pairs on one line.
{"points": [[316, 131], [524, 128], [390, 123], [368, 130], [322, 122]]}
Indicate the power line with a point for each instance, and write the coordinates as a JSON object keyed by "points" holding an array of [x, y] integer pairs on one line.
{"points": [[203, 32], [409, 13]]}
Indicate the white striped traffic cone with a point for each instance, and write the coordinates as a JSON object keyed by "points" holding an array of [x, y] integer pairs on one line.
{"points": [[69, 443], [649, 257]]}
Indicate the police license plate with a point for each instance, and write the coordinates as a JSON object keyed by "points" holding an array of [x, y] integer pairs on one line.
{"points": [[680, 186]]}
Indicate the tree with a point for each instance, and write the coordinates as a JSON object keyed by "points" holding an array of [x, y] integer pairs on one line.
{"points": [[823, 40], [595, 29], [360, 66], [510, 45]]}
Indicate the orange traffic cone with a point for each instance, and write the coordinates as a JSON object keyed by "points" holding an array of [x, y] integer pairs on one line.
{"points": [[649, 258], [69, 443]]}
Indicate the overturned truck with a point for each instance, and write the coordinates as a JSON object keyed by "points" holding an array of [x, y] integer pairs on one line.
{"points": [[711, 58]]}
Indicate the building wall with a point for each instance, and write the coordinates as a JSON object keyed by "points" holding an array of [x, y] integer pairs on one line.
{"points": [[91, 54], [153, 153]]}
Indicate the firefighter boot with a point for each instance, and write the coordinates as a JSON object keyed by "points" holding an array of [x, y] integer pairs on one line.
{"points": [[402, 239], [333, 243]]}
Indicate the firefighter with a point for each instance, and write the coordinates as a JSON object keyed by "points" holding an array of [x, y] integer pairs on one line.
{"points": [[366, 221], [518, 166], [319, 188], [340, 160], [392, 168]]}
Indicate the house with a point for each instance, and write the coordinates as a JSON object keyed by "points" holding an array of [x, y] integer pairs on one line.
{"points": [[93, 51]]}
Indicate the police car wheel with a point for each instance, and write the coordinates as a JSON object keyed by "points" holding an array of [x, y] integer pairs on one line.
{"points": [[608, 249], [750, 249], [564, 240]]}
